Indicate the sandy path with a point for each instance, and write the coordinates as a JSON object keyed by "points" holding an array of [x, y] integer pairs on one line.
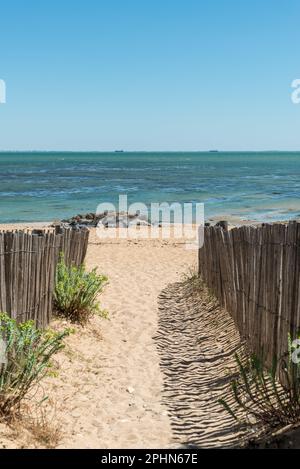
{"points": [[130, 389], [110, 381]]}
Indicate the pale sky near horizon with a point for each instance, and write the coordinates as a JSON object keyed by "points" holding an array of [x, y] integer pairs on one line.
{"points": [[149, 75]]}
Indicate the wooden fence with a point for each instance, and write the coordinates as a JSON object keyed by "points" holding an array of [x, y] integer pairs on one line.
{"points": [[27, 269], [255, 274]]}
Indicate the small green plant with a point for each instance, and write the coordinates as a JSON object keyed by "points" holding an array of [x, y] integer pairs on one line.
{"points": [[271, 396], [25, 360], [76, 291]]}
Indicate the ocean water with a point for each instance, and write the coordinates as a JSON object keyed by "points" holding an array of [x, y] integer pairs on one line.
{"points": [[46, 186]]}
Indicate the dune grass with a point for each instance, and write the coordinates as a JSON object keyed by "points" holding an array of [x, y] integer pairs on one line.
{"points": [[270, 395], [26, 354], [76, 292]]}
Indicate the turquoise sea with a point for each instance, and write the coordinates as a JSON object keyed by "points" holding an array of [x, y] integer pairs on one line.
{"points": [[45, 186]]}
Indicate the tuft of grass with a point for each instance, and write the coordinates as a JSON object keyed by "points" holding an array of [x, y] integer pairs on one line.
{"points": [[76, 291], [25, 360], [37, 426], [45, 430], [192, 281], [270, 396]]}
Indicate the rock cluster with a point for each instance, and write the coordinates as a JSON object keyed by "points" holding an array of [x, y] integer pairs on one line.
{"points": [[107, 219]]}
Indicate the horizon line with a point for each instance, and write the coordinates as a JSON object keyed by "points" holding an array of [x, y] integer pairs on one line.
{"points": [[150, 151]]}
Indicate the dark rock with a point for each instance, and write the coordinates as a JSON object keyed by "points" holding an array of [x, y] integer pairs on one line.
{"points": [[38, 232], [108, 219], [223, 224], [59, 229]]}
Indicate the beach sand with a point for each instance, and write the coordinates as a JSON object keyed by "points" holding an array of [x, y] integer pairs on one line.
{"points": [[108, 392], [151, 375]]}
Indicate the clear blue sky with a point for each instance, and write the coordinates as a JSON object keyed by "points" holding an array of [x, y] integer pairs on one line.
{"points": [[159, 74]]}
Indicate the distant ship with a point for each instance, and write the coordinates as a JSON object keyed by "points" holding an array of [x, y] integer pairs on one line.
{"points": [[213, 151], [119, 151]]}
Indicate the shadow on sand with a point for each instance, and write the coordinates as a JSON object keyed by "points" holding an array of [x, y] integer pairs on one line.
{"points": [[197, 340]]}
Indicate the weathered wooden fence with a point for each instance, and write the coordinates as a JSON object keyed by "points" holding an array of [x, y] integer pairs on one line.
{"points": [[27, 269], [255, 274]]}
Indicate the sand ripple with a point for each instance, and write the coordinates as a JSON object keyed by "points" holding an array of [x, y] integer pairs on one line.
{"points": [[196, 342]]}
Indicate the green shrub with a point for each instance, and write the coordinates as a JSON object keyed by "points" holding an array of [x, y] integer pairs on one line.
{"points": [[25, 360], [271, 396], [76, 290]]}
